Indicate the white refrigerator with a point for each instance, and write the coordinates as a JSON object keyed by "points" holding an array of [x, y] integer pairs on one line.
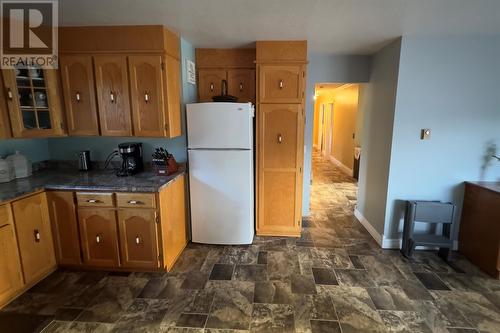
{"points": [[221, 176]]}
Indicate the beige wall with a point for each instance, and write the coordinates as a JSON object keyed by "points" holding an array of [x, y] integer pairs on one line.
{"points": [[345, 101]]}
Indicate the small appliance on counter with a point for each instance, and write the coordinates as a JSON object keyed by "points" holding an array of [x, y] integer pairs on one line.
{"points": [[6, 172], [21, 165], [131, 154], [84, 162]]}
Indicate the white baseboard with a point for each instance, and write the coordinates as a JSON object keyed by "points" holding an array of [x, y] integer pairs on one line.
{"points": [[342, 167], [364, 222]]}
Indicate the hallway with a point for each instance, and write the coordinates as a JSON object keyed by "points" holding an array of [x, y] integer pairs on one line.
{"points": [[335, 278]]}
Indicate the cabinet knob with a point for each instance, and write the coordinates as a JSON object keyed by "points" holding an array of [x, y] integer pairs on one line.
{"points": [[281, 84], [37, 235], [211, 87], [241, 86], [78, 96], [137, 240], [280, 139], [134, 202], [112, 97], [92, 201], [146, 97], [9, 93], [98, 239]]}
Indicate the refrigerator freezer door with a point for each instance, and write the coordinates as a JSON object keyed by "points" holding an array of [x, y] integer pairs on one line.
{"points": [[220, 125], [222, 199]]}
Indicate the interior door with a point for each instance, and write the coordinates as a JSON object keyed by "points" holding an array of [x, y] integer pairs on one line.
{"points": [[327, 130], [146, 89], [210, 83], [78, 89], [138, 238], [31, 216], [99, 236], [113, 95], [280, 174], [320, 126]]}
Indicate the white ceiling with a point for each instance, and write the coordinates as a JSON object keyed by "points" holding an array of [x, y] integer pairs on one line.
{"points": [[330, 26]]}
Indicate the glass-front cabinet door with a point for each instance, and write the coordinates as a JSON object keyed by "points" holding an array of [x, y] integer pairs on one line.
{"points": [[34, 102]]}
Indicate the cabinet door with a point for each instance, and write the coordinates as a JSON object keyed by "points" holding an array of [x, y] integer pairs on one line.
{"points": [[173, 80], [172, 203], [31, 216], [280, 173], [241, 83], [113, 95], [5, 131], [210, 83], [99, 237], [78, 88], [146, 89], [34, 102], [11, 278], [138, 240], [64, 227], [281, 83]]}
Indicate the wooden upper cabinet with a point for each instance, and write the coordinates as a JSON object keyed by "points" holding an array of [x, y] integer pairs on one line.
{"points": [[280, 160], [113, 95], [147, 96], [5, 131], [172, 74], [281, 83], [99, 237], [11, 277], [210, 83], [241, 83], [31, 216], [65, 227], [34, 102], [138, 238], [79, 96]]}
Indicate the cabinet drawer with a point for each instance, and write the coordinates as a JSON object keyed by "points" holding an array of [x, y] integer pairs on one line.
{"points": [[92, 199], [135, 200]]}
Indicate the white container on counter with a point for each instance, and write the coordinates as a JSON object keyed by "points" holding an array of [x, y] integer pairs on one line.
{"points": [[6, 172], [20, 164]]}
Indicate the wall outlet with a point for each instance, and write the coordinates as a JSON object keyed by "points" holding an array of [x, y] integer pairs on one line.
{"points": [[425, 134]]}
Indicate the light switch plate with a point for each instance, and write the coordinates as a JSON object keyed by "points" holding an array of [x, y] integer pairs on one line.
{"points": [[425, 134]]}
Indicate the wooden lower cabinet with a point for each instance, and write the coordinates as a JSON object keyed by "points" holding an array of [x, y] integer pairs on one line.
{"points": [[34, 235], [11, 277], [138, 238], [64, 227], [99, 237], [172, 202]]}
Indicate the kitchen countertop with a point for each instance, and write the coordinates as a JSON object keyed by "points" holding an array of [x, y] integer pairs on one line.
{"points": [[95, 180], [492, 186]]}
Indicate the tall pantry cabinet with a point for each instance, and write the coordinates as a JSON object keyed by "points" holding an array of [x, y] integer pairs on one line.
{"points": [[281, 77]]}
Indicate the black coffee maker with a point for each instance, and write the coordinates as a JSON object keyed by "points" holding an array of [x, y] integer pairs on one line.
{"points": [[131, 153]]}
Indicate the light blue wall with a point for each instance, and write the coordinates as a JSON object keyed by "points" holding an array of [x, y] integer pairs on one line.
{"points": [[35, 149], [321, 69], [377, 102], [452, 86], [100, 147]]}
